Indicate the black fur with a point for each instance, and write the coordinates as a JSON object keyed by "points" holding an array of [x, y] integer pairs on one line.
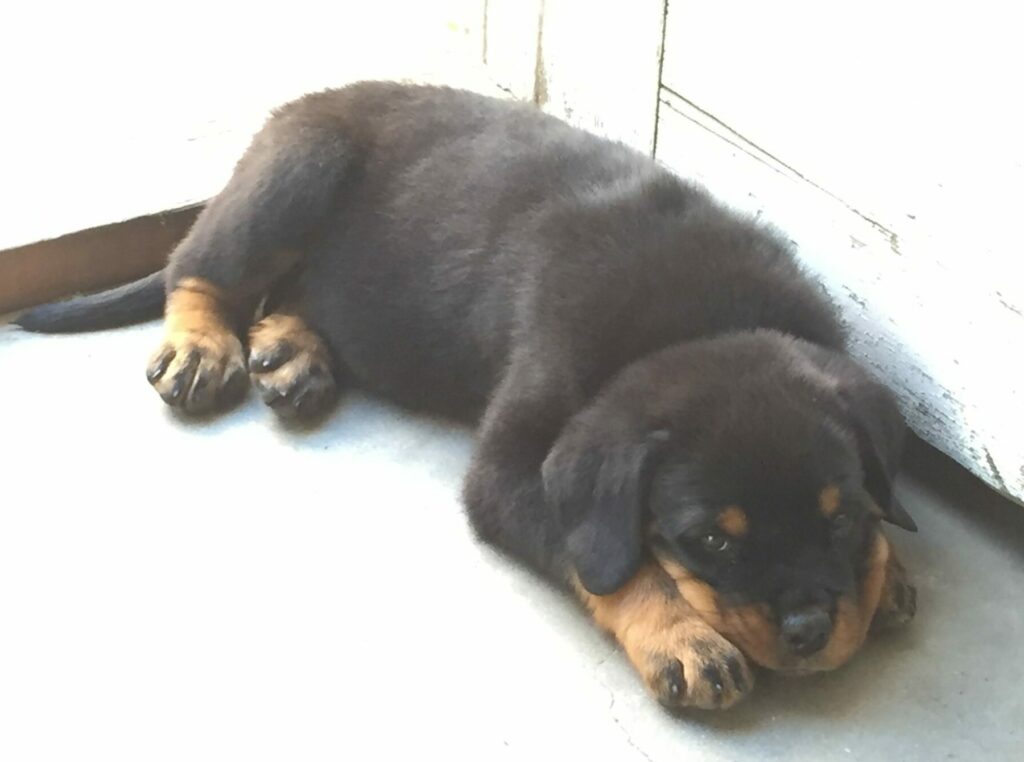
{"points": [[654, 351]]}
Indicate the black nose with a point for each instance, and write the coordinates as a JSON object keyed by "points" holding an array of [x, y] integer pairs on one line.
{"points": [[806, 632]]}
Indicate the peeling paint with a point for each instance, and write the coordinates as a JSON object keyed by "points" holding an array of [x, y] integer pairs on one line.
{"points": [[890, 235], [995, 470], [1012, 308], [853, 297]]}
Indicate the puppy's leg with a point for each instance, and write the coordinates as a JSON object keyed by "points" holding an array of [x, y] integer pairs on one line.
{"points": [[503, 492], [682, 659], [291, 367], [898, 602], [250, 235]]}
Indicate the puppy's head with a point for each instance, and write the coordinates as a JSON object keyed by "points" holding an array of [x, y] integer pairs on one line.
{"points": [[756, 469]]}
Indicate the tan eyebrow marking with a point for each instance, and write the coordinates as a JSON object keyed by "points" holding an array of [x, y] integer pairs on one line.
{"points": [[829, 500], [733, 521]]}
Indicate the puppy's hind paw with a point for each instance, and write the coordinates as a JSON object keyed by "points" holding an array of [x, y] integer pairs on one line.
{"points": [[290, 367]]}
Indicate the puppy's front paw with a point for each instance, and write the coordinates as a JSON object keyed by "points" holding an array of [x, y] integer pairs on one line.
{"points": [[290, 367], [681, 657], [693, 666], [198, 371]]}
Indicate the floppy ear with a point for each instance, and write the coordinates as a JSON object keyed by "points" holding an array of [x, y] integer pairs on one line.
{"points": [[880, 430], [598, 492]]}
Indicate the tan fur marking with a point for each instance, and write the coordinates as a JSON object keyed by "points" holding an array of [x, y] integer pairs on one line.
{"points": [[639, 609], [829, 500], [194, 306], [659, 631], [733, 521]]}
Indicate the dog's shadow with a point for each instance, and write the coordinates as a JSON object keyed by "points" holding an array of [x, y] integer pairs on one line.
{"points": [[356, 417]]}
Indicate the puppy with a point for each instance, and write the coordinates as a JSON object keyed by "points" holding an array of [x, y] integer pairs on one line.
{"points": [[668, 421]]}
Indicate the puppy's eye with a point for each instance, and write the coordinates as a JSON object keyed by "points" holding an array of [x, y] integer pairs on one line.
{"points": [[841, 523], [714, 542]]}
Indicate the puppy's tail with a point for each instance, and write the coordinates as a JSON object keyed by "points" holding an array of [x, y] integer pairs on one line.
{"points": [[131, 303]]}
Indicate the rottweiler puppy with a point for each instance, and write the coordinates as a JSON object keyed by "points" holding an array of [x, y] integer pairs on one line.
{"points": [[669, 423]]}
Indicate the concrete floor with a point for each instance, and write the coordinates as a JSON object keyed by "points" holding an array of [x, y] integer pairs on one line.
{"points": [[233, 590]]}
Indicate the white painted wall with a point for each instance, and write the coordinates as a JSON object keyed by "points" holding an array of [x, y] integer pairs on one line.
{"points": [[113, 110]]}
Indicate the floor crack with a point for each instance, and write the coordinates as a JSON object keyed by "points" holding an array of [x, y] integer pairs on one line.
{"points": [[629, 740], [620, 726]]}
